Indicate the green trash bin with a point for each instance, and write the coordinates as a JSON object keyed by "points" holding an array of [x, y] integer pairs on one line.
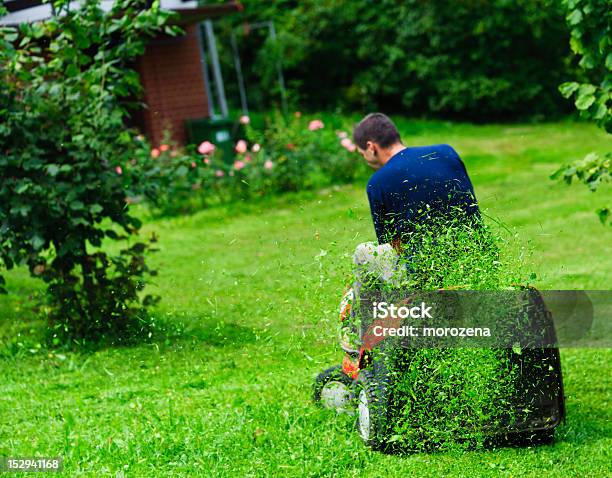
{"points": [[219, 131]]}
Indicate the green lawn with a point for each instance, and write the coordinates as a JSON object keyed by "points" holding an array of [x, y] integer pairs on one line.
{"points": [[254, 289]]}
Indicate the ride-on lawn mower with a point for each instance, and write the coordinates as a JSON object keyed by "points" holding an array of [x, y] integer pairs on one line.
{"points": [[396, 386]]}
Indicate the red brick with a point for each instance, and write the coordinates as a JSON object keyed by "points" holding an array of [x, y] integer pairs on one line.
{"points": [[174, 90]]}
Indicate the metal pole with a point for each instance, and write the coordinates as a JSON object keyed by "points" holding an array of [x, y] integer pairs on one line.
{"points": [[279, 67], [209, 96], [238, 66], [214, 59]]}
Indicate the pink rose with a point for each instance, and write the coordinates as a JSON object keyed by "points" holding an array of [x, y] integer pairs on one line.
{"points": [[268, 164], [164, 147], [206, 148], [206, 161], [298, 114], [315, 125], [219, 173], [244, 119], [238, 165], [241, 146], [248, 158], [155, 153], [193, 164], [118, 170], [348, 145], [256, 148]]}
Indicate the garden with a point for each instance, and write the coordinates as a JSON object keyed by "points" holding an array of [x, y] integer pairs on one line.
{"points": [[166, 307]]}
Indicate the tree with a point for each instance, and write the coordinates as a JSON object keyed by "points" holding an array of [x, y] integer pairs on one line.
{"points": [[590, 23], [475, 59], [64, 90]]}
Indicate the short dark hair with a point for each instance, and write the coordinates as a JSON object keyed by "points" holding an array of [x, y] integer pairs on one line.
{"points": [[378, 128]]}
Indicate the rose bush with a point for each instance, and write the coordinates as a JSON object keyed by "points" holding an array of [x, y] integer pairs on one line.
{"points": [[67, 161], [287, 155]]}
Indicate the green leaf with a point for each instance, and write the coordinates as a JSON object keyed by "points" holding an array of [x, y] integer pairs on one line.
{"points": [[37, 242], [609, 61], [22, 188], [584, 102], [53, 169], [575, 17], [72, 70], [21, 209], [11, 37], [603, 214], [96, 209], [557, 174], [601, 111], [576, 45], [587, 89], [587, 62], [567, 89]]}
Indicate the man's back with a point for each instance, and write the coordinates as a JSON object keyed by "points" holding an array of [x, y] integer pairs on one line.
{"points": [[414, 185]]}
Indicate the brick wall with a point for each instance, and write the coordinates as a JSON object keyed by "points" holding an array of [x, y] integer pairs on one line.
{"points": [[171, 74]]}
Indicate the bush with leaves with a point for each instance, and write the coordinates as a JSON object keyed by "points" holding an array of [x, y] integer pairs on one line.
{"points": [[471, 59], [298, 153], [285, 156], [590, 23], [64, 89], [172, 178]]}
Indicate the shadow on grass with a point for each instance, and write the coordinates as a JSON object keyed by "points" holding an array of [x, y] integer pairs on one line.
{"points": [[23, 332]]}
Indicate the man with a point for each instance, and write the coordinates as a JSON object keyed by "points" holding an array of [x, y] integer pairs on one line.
{"points": [[411, 184], [411, 188]]}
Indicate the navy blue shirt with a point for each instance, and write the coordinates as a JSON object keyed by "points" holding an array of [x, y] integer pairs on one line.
{"points": [[415, 183]]}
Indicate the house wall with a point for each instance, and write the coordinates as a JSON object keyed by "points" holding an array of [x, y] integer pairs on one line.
{"points": [[171, 74]]}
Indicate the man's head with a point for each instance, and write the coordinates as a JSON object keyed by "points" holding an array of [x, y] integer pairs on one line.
{"points": [[377, 139]]}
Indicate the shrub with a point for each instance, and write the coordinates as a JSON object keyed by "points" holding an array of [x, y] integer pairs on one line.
{"points": [[286, 156], [591, 30], [63, 156], [305, 154], [171, 177], [475, 59]]}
